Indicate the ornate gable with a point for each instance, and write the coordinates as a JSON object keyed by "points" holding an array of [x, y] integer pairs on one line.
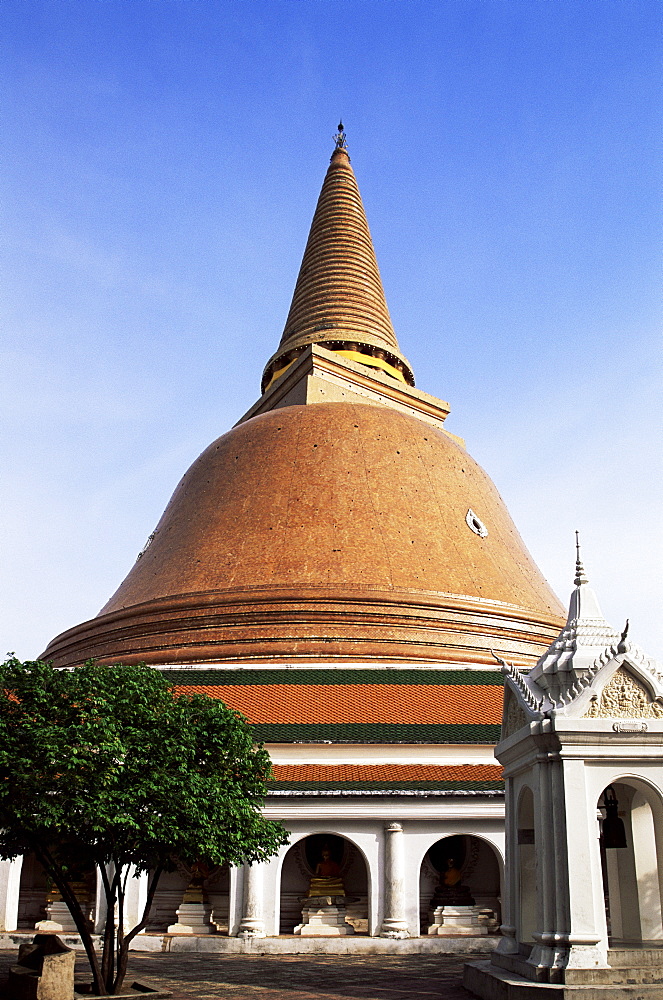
{"points": [[624, 697]]}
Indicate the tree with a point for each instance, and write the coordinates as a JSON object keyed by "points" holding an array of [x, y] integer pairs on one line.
{"points": [[106, 766]]}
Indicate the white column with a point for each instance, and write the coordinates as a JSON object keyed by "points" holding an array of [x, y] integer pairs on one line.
{"points": [[394, 924], [252, 923], [560, 852], [10, 884], [543, 955]]}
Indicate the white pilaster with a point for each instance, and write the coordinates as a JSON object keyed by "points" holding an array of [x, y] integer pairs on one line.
{"points": [[135, 898], [234, 901], [507, 944], [394, 924], [587, 940], [560, 855], [10, 884], [100, 905]]}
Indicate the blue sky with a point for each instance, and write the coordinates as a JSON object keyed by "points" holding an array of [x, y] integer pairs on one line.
{"points": [[161, 163]]}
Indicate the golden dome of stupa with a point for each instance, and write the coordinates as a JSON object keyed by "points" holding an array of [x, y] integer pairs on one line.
{"points": [[355, 529]]}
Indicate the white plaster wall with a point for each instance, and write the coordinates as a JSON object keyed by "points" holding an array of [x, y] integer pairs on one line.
{"points": [[361, 821], [368, 837]]}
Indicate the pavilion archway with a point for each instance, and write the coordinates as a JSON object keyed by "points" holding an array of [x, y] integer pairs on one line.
{"points": [[632, 872], [526, 873]]}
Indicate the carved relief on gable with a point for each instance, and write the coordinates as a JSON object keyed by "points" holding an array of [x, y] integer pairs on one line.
{"points": [[515, 717], [624, 697]]}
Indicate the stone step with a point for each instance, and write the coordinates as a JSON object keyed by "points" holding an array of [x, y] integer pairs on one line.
{"points": [[358, 944], [489, 982], [641, 974], [620, 958]]}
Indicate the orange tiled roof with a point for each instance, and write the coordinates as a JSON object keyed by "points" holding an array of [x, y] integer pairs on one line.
{"points": [[359, 703], [356, 704], [479, 777], [386, 772]]}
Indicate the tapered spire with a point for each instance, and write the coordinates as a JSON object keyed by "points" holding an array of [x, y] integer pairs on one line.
{"points": [[339, 300], [580, 577]]}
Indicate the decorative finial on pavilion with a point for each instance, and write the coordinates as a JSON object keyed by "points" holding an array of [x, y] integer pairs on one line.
{"points": [[340, 138], [580, 570]]}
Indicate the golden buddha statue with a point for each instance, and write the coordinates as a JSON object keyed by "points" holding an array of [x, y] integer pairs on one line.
{"points": [[326, 880], [450, 890], [452, 875]]}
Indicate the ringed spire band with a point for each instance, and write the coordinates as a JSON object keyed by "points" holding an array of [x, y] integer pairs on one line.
{"points": [[339, 300]]}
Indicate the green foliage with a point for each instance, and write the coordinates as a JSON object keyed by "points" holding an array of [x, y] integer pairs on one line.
{"points": [[105, 765]]}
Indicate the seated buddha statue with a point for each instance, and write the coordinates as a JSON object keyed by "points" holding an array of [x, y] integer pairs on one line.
{"points": [[326, 880], [452, 875], [450, 890]]}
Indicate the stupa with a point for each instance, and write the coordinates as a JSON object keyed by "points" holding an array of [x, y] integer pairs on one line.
{"points": [[338, 568]]}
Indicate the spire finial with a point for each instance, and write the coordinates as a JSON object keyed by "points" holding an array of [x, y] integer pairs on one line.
{"points": [[580, 570], [340, 138]]}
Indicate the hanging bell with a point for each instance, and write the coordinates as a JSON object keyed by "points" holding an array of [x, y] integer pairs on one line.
{"points": [[613, 832]]}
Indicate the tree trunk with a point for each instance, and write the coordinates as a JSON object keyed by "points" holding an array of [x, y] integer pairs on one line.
{"points": [[108, 953], [123, 947], [53, 869]]}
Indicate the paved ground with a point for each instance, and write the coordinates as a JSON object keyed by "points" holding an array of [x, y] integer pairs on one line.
{"points": [[294, 977]]}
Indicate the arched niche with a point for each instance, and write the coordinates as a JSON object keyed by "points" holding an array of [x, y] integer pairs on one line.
{"points": [[32, 896], [37, 892], [479, 865], [299, 867], [633, 875], [170, 892], [527, 875]]}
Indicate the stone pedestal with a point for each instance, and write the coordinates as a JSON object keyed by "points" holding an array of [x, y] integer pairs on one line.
{"points": [[58, 919], [324, 916], [457, 920], [45, 971], [193, 918]]}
